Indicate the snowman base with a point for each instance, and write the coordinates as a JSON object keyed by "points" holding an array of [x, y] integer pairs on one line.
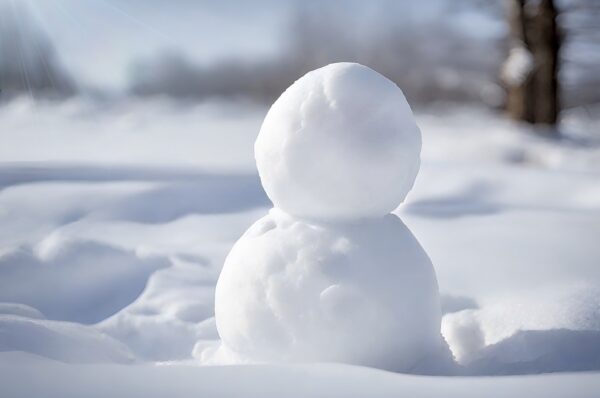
{"points": [[361, 292]]}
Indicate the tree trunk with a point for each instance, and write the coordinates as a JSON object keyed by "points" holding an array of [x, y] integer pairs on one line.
{"points": [[546, 43], [531, 69]]}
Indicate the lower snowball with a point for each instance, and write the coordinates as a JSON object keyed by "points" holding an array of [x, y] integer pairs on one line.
{"points": [[362, 293]]}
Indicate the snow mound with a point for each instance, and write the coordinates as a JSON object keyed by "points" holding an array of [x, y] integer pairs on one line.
{"points": [[20, 310], [362, 293], [62, 341], [544, 330], [173, 312], [73, 280], [341, 142], [541, 351]]}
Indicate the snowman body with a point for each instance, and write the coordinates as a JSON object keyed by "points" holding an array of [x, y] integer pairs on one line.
{"points": [[329, 275]]}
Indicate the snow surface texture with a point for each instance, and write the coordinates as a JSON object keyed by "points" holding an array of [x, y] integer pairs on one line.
{"points": [[23, 375], [340, 143], [510, 220]]}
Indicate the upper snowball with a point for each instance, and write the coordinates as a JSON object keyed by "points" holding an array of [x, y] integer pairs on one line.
{"points": [[339, 143]]}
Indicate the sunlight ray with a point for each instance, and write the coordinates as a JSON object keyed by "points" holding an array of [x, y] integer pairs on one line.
{"points": [[20, 44], [132, 18]]}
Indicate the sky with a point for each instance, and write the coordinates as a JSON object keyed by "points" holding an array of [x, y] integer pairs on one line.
{"points": [[98, 39]]}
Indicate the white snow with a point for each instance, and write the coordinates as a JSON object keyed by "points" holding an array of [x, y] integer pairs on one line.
{"points": [[510, 221], [129, 134], [517, 66], [341, 142], [23, 375], [82, 281], [561, 324], [20, 310], [63, 341]]}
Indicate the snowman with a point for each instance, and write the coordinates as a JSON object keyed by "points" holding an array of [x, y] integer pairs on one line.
{"points": [[329, 274]]}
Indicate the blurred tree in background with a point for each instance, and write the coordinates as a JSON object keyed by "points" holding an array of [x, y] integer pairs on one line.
{"points": [[532, 57], [28, 61], [531, 69]]}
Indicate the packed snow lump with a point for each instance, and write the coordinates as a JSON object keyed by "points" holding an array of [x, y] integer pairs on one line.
{"points": [[329, 274], [340, 143]]}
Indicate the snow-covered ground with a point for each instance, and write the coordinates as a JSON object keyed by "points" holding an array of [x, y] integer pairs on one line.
{"points": [[116, 221]]}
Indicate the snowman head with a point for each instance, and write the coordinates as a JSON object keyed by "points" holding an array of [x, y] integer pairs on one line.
{"points": [[339, 143]]}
